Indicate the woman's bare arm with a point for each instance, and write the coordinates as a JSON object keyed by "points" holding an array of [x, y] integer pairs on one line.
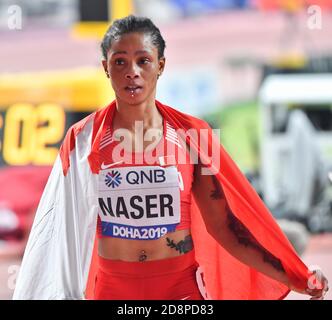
{"points": [[234, 237], [229, 232]]}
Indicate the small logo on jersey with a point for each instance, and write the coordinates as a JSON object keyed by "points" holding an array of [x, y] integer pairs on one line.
{"points": [[113, 179], [106, 166]]}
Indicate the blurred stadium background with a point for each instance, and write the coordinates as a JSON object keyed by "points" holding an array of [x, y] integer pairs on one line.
{"points": [[261, 70]]}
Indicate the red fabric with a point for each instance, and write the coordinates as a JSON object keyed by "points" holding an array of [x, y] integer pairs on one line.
{"points": [[122, 280], [225, 277]]}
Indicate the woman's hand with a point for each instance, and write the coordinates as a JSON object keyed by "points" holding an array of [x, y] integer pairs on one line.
{"points": [[317, 286]]}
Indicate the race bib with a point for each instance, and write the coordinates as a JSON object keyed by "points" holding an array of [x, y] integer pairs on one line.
{"points": [[141, 203]]}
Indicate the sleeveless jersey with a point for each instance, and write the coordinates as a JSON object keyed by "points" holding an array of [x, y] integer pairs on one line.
{"points": [[144, 195]]}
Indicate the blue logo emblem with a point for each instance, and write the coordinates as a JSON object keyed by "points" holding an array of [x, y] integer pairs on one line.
{"points": [[113, 179]]}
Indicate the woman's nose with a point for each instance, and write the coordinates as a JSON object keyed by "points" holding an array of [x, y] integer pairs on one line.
{"points": [[132, 72]]}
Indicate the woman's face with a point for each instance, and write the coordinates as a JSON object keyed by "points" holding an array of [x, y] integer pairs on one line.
{"points": [[133, 67]]}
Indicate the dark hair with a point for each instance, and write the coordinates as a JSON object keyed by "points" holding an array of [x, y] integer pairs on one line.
{"points": [[131, 24]]}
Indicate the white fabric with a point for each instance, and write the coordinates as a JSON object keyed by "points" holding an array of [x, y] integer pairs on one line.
{"points": [[58, 254]]}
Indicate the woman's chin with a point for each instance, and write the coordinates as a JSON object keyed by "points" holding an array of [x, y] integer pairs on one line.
{"points": [[133, 100]]}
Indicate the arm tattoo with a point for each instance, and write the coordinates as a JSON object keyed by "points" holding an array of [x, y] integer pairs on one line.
{"points": [[217, 193], [245, 238], [243, 235], [183, 246]]}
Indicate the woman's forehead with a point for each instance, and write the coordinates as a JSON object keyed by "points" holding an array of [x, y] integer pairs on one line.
{"points": [[132, 42]]}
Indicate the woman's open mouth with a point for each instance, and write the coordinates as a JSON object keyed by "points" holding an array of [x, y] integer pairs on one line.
{"points": [[132, 90]]}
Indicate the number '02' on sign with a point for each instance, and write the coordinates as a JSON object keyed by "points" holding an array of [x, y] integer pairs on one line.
{"points": [[30, 131]]}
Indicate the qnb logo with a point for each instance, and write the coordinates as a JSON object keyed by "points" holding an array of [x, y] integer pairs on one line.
{"points": [[113, 179]]}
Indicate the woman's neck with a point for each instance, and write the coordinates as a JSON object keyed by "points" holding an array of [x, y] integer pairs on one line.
{"points": [[147, 112]]}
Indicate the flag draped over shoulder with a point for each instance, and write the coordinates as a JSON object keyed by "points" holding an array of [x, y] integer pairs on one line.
{"points": [[60, 261]]}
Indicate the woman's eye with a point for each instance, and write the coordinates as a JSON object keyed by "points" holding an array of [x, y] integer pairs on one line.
{"points": [[144, 60], [119, 61]]}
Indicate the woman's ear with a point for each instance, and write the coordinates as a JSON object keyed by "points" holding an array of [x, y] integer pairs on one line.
{"points": [[162, 62], [104, 62]]}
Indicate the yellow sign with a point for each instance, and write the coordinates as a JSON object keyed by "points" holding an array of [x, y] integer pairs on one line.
{"points": [[83, 89], [33, 147], [37, 108]]}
